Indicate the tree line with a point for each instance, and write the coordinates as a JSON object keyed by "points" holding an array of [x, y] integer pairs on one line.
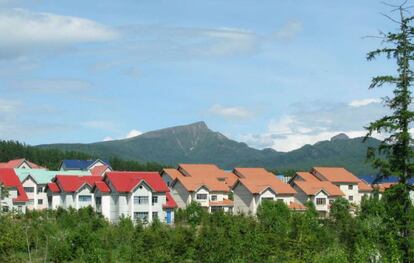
{"points": [[276, 234], [51, 158]]}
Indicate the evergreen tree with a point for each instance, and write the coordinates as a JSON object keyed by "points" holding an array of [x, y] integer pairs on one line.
{"points": [[395, 154]]}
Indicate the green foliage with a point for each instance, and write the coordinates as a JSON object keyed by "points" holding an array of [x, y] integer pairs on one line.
{"points": [[51, 158], [275, 235]]}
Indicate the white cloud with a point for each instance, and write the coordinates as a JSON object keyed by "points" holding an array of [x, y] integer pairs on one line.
{"points": [[230, 112], [108, 139], [289, 30], [133, 133], [23, 32], [318, 121], [363, 102]]}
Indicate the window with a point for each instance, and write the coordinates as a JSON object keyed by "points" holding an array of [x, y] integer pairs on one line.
{"points": [[351, 198], [331, 201], [20, 208], [267, 199], [143, 216], [350, 187], [85, 198], [216, 209], [154, 200], [39, 189], [40, 201], [141, 200], [29, 189], [98, 200], [154, 215], [168, 183], [201, 196], [5, 208], [320, 201], [214, 198], [31, 202]]}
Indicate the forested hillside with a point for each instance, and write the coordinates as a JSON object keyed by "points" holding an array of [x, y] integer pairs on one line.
{"points": [[51, 158], [196, 143]]}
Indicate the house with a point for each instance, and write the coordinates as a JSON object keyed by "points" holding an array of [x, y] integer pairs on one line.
{"points": [[203, 183], [72, 191], [255, 185], [352, 187], [34, 182], [82, 165], [21, 164], [138, 195], [17, 197], [309, 188]]}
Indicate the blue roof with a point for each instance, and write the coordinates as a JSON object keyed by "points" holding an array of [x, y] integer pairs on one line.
{"points": [[80, 164], [390, 179]]}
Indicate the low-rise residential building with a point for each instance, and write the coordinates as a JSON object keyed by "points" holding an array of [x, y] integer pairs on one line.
{"points": [[34, 182], [20, 164], [72, 191], [139, 195], [352, 187], [255, 185], [82, 165], [310, 188], [17, 197], [206, 184]]}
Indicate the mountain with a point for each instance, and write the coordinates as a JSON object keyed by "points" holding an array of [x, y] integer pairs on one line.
{"points": [[196, 143]]}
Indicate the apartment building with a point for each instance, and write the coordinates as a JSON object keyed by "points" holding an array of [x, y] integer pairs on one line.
{"points": [[17, 198]]}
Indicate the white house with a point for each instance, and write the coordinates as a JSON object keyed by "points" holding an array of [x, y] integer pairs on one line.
{"points": [[17, 197], [139, 195], [82, 165], [255, 185], [352, 187], [72, 191], [310, 188], [203, 183], [34, 182]]}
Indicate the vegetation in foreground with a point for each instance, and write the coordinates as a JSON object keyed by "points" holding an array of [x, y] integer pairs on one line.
{"points": [[275, 235]]}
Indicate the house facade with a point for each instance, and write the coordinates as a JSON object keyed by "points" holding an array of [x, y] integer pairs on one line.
{"points": [[310, 189], [82, 165], [34, 182], [138, 195], [71, 191], [205, 184], [17, 198], [255, 185]]}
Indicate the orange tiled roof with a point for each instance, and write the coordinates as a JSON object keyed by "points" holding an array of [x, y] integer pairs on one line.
{"points": [[313, 186], [194, 176], [257, 180], [225, 202], [384, 186], [364, 187], [297, 206], [336, 174], [173, 173], [17, 162]]}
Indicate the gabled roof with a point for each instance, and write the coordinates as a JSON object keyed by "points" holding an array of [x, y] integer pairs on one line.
{"points": [[170, 201], [225, 202], [53, 187], [195, 176], [102, 186], [72, 183], [17, 162], [100, 170], [171, 172], [45, 176], [335, 174], [9, 179], [257, 180], [311, 185], [80, 164], [126, 181], [297, 206]]}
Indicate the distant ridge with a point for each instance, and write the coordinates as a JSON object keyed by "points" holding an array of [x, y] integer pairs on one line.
{"points": [[196, 143]]}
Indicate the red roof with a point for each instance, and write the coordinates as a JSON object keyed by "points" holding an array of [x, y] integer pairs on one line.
{"points": [[170, 201], [99, 170], [127, 181], [9, 179], [102, 186], [53, 187], [72, 183], [17, 162]]}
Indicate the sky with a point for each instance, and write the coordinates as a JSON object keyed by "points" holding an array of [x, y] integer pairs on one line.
{"points": [[276, 74]]}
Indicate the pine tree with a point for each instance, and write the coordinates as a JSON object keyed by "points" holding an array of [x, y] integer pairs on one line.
{"points": [[395, 154]]}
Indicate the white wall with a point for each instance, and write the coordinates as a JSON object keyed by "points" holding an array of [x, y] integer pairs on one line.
{"points": [[354, 192]]}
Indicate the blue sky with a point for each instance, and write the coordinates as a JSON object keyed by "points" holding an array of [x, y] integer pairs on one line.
{"points": [[274, 74]]}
